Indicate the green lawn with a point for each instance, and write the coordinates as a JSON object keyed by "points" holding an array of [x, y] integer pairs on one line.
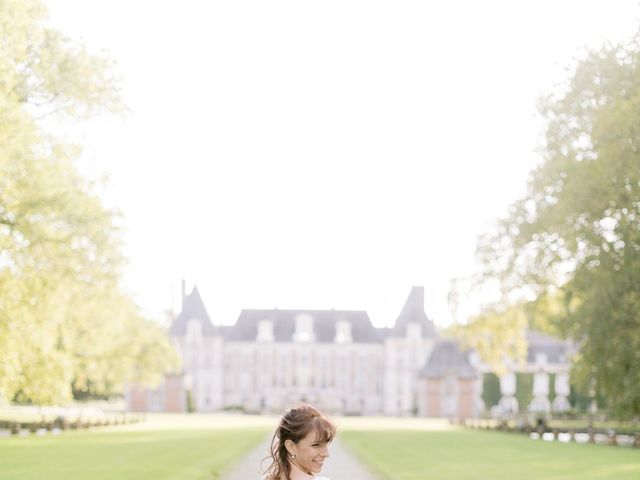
{"points": [[196, 448], [469, 455], [193, 447]]}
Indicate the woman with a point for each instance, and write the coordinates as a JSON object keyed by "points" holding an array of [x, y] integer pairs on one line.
{"points": [[300, 445]]}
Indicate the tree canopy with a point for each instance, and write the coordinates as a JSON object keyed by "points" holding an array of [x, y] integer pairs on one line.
{"points": [[572, 242], [65, 324]]}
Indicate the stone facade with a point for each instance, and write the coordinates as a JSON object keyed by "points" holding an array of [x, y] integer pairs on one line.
{"points": [[334, 359]]}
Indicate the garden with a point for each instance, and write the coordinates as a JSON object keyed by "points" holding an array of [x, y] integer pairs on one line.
{"points": [[206, 446]]}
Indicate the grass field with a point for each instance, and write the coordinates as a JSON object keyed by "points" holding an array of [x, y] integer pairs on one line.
{"points": [[452, 454], [164, 447], [191, 447]]}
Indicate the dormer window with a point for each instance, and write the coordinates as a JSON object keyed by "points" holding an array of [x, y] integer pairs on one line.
{"points": [[343, 332], [194, 330], [304, 328], [265, 331], [541, 358]]}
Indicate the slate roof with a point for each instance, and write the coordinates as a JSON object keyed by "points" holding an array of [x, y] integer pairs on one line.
{"points": [[324, 325], [413, 311], [556, 350], [447, 358], [192, 308], [383, 332]]}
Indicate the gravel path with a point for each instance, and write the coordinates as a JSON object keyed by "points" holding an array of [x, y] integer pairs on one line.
{"points": [[249, 467], [340, 466], [343, 466]]}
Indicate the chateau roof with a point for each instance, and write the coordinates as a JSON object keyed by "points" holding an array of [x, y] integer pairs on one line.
{"points": [[324, 325], [555, 349], [383, 332], [192, 309], [413, 311], [446, 359]]}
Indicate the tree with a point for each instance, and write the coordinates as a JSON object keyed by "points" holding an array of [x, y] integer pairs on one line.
{"points": [[498, 331], [575, 235], [62, 310], [497, 335]]}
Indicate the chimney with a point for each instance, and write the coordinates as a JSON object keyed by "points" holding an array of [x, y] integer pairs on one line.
{"points": [[183, 293]]}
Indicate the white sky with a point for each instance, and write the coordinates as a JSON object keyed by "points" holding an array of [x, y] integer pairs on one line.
{"points": [[322, 154]]}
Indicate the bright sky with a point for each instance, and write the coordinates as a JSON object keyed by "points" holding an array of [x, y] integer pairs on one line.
{"points": [[322, 154]]}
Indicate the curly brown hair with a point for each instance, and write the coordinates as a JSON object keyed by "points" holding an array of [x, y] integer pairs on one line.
{"points": [[294, 425]]}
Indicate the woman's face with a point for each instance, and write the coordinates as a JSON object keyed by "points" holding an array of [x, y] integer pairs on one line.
{"points": [[310, 453]]}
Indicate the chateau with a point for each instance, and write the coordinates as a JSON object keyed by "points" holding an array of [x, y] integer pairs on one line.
{"points": [[338, 361]]}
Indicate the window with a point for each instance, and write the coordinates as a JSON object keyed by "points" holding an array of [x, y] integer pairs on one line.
{"points": [[414, 331], [343, 332], [194, 330], [541, 358], [304, 328], [540, 385], [265, 331], [508, 384]]}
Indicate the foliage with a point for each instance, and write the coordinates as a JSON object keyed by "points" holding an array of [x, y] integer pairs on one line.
{"points": [[498, 336], [579, 399], [490, 390], [574, 238], [64, 321], [524, 390], [546, 313], [189, 400]]}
